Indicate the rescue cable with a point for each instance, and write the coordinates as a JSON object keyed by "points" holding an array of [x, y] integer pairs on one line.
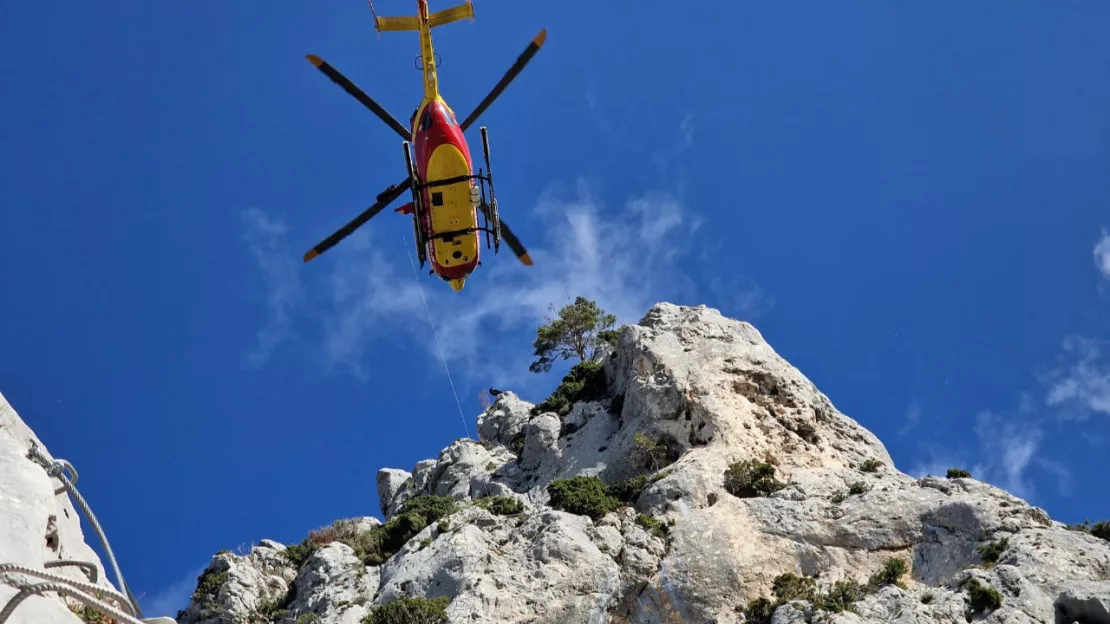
{"points": [[435, 333]]}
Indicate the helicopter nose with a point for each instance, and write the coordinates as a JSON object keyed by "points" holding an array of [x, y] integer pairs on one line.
{"points": [[457, 284]]}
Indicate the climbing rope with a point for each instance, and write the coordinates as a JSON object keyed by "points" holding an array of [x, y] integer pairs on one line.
{"points": [[435, 334], [60, 584]]}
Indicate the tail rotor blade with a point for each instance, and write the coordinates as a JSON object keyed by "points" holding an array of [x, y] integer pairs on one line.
{"points": [[359, 95], [384, 200], [521, 61]]}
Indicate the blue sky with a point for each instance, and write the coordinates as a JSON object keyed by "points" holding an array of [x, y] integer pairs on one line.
{"points": [[912, 204]]}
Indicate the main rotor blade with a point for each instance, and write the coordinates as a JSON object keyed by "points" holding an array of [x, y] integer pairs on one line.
{"points": [[514, 244], [384, 200], [521, 61], [359, 95]]}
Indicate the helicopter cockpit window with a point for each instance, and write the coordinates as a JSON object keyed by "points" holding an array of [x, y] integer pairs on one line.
{"points": [[426, 120]]}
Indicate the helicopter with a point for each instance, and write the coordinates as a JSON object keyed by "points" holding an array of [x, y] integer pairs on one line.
{"points": [[447, 194]]}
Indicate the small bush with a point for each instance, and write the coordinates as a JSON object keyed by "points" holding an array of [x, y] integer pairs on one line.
{"points": [[749, 478], [840, 596], [927, 598], [298, 554], [958, 473], [501, 505], [839, 497], [307, 618], [891, 574], [584, 382], [871, 465], [787, 587], [652, 454], [1101, 530], [760, 611], [990, 553], [584, 496], [516, 445], [982, 597], [410, 611], [208, 585], [859, 487], [629, 490], [657, 528]]}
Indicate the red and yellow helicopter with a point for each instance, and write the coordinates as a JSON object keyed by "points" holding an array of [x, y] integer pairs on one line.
{"points": [[447, 194]]}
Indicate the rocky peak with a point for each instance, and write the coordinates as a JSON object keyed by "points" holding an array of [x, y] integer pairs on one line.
{"points": [[695, 476]]}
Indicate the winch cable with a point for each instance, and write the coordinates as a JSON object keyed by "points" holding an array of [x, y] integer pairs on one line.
{"points": [[435, 333]]}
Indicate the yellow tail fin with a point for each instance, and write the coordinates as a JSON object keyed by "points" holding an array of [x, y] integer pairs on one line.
{"points": [[398, 23], [454, 14]]}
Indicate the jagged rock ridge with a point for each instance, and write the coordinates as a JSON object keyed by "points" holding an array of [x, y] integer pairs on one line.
{"points": [[690, 396]]}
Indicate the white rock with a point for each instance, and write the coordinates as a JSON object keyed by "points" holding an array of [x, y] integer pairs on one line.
{"points": [[390, 481]]}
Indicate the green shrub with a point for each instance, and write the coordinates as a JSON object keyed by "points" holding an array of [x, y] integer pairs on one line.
{"points": [[584, 382], [891, 574], [871, 465], [584, 496], [307, 618], [1101, 529], [927, 598], [651, 454], [657, 528], [208, 585], [516, 445], [749, 478], [990, 553], [840, 596], [410, 611], [839, 497], [958, 473], [787, 587], [501, 505], [760, 611], [982, 597], [629, 490], [298, 554], [859, 487]]}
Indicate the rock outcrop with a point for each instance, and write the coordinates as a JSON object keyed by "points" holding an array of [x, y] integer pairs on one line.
{"points": [[40, 533], [708, 481]]}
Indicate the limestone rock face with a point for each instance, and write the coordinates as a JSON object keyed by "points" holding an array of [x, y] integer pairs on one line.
{"points": [[39, 527], [690, 396]]}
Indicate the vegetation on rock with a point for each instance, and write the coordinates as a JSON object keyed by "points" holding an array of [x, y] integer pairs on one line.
{"points": [[410, 611], [958, 473], [990, 553], [579, 331], [501, 505], [871, 465], [376, 545], [982, 598], [750, 478], [584, 382], [584, 496]]}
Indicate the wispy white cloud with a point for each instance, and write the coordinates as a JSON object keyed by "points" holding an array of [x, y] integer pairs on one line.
{"points": [[1102, 254], [625, 258], [1008, 445], [265, 237], [912, 419], [740, 297], [1080, 384], [167, 601]]}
